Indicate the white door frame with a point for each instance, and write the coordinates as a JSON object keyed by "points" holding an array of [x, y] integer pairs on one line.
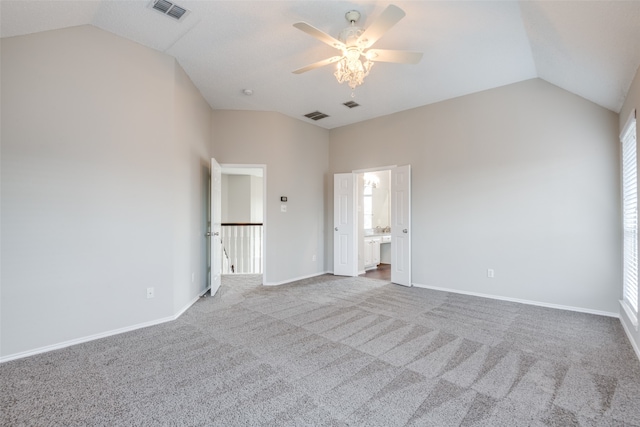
{"points": [[264, 208]]}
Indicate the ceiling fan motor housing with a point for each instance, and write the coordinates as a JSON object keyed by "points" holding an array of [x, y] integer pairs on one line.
{"points": [[352, 16], [349, 36]]}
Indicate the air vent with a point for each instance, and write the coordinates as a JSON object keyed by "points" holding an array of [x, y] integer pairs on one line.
{"points": [[316, 115], [170, 9], [162, 5], [351, 104]]}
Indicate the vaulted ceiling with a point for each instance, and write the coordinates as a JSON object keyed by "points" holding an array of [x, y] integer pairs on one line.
{"points": [[590, 48]]}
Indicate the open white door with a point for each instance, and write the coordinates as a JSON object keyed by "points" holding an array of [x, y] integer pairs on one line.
{"points": [[401, 225], [345, 262], [216, 226]]}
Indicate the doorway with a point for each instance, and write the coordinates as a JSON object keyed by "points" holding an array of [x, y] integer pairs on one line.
{"points": [[374, 224], [349, 222], [242, 212], [243, 218]]}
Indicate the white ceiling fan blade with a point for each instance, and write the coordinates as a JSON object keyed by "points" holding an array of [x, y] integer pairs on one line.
{"points": [[317, 64], [398, 56], [319, 34], [389, 17]]}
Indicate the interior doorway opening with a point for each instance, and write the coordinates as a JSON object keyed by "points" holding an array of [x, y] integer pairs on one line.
{"points": [[241, 205], [348, 222], [243, 219], [374, 223]]}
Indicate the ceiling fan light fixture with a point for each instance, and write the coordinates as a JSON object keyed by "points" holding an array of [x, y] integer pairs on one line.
{"points": [[352, 71], [355, 42]]}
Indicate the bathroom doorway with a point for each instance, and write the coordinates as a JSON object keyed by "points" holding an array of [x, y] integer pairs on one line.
{"points": [[374, 223], [348, 222]]}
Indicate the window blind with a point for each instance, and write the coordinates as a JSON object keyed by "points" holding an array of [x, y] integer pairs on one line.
{"points": [[630, 215]]}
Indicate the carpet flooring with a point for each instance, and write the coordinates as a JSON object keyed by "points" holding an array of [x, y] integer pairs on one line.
{"points": [[331, 351]]}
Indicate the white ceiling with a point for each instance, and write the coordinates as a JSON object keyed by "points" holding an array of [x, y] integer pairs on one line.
{"points": [[590, 48]]}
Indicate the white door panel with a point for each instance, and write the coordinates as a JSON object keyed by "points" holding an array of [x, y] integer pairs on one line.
{"points": [[401, 225], [344, 223], [216, 226]]}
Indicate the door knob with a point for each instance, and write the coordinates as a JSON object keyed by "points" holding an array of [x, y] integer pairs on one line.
{"points": [[336, 228], [405, 231], [217, 234]]}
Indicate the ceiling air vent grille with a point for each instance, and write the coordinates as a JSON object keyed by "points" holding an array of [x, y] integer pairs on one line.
{"points": [[316, 115], [351, 104], [170, 9]]}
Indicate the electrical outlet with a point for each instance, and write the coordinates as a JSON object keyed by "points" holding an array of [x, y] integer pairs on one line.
{"points": [[313, 258], [490, 273], [150, 293], [193, 277]]}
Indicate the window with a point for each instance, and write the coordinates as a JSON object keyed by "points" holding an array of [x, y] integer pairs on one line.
{"points": [[368, 206], [630, 219], [371, 181]]}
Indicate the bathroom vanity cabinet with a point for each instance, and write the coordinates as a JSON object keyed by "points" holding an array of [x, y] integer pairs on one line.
{"points": [[372, 251]]}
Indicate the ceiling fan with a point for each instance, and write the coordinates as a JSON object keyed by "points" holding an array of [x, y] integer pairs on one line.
{"points": [[355, 42]]}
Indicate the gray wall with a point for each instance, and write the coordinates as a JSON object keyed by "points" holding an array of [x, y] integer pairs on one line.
{"points": [[191, 163], [523, 179], [296, 157], [257, 202], [236, 192], [242, 198], [632, 102], [100, 197]]}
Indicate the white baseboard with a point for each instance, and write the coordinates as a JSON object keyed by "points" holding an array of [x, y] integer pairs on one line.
{"points": [[633, 342], [190, 303], [295, 279], [522, 301], [105, 334], [628, 311]]}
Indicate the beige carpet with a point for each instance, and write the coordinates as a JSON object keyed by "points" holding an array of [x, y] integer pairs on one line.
{"points": [[335, 351]]}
